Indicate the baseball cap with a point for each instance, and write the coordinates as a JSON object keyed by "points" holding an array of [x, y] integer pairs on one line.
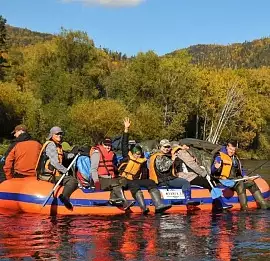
{"points": [[164, 142], [54, 130], [19, 127], [107, 141]]}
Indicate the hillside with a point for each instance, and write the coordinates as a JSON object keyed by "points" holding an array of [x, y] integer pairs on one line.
{"points": [[23, 37], [252, 54]]}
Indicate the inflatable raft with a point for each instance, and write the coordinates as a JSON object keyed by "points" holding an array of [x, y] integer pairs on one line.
{"points": [[28, 194]]}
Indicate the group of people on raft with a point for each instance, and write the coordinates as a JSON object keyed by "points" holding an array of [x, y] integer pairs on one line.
{"points": [[170, 166]]}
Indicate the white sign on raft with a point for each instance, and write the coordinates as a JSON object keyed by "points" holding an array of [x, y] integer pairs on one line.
{"points": [[172, 193]]}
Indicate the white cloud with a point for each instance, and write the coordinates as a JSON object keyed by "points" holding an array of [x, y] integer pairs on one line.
{"points": [[109, 3]]}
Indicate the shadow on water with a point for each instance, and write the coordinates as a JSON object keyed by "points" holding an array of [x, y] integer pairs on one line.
{"points": [[200, 236]]}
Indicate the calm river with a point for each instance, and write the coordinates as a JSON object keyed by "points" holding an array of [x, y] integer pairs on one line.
{"points": [[199, 236]]}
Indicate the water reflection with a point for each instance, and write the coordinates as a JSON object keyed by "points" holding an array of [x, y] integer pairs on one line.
{"points": [[200, 236]]}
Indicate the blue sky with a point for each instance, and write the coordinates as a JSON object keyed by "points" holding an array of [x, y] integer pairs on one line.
{"points": [[131, 26]]}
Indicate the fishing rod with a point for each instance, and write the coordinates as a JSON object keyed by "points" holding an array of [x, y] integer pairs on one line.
{"points": [[257, 167]]}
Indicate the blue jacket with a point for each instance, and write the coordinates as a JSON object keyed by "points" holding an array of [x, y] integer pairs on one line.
{"points": [[218, 159]]}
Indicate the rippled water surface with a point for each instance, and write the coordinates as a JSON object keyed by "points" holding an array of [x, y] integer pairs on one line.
{"points": [[195, 236]]}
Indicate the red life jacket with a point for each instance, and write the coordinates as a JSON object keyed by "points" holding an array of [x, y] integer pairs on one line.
{"points": [[105, 166]]}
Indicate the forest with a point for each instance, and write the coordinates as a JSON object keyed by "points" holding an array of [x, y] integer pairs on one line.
{"points": [[209, 92]]}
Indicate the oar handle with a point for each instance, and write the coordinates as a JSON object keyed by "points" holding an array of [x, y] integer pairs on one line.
{"points": [[209, 181], [215, 192], [60, 180]]}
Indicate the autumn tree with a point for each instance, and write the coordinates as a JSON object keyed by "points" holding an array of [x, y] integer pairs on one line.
{"points": [[3, 47]]}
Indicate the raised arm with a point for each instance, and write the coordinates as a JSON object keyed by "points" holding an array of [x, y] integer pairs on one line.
{"points": [[124, 148]]}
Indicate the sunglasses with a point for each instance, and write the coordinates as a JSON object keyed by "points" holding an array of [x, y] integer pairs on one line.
{"points": [[59, 134]]}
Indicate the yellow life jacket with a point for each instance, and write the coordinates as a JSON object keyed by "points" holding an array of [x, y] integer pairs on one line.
{"points": [[133, 167], [43, 166], [226, 165]]}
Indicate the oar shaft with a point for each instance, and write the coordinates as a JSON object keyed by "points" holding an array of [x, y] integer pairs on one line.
{"points": [[60, 180], [209, 181], [246, 178]]}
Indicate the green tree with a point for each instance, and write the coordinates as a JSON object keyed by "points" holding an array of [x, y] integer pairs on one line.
{"points": [[89, 121], [3, 47], [17, 107]]}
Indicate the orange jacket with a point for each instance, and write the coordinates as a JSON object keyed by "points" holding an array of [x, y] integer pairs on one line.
{"points": [[22, 158]]}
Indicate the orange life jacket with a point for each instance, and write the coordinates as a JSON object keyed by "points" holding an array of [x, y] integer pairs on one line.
{"points": [[227, 165], [153, 174], [133, 167], [44, 166], [152, 169]]}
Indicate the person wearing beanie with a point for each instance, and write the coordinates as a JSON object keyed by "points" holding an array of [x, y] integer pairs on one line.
{"points": [[50, 165], [22, 154], [105, 173], [134, 169]]}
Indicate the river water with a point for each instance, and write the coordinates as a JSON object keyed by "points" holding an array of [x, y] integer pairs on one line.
{"points": [[198, 236]]}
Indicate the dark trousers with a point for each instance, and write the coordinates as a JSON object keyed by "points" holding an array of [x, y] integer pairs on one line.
{"points": [[70, 185], [242, 186], [110, 183], [177, 183], [135, 185], [200, 181]]}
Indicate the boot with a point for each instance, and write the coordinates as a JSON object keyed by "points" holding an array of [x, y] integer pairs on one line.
{"points": [[140, 199], [188, 200], [115, 201], [243, 201], [120, 195], [260, 200], [66, 202], [69, 188], [242, 196], [156, 198], [219, 204]]}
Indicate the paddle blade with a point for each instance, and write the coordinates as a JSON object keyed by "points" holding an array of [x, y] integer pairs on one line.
{"points": [[227, 182], [216, 193]]}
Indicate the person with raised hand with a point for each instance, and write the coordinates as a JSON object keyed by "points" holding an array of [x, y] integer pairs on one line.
{"points": [[105, 173], [133, 168]]}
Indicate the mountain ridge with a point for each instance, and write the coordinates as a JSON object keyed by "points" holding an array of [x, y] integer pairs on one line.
{"points": [[249, 54]]}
